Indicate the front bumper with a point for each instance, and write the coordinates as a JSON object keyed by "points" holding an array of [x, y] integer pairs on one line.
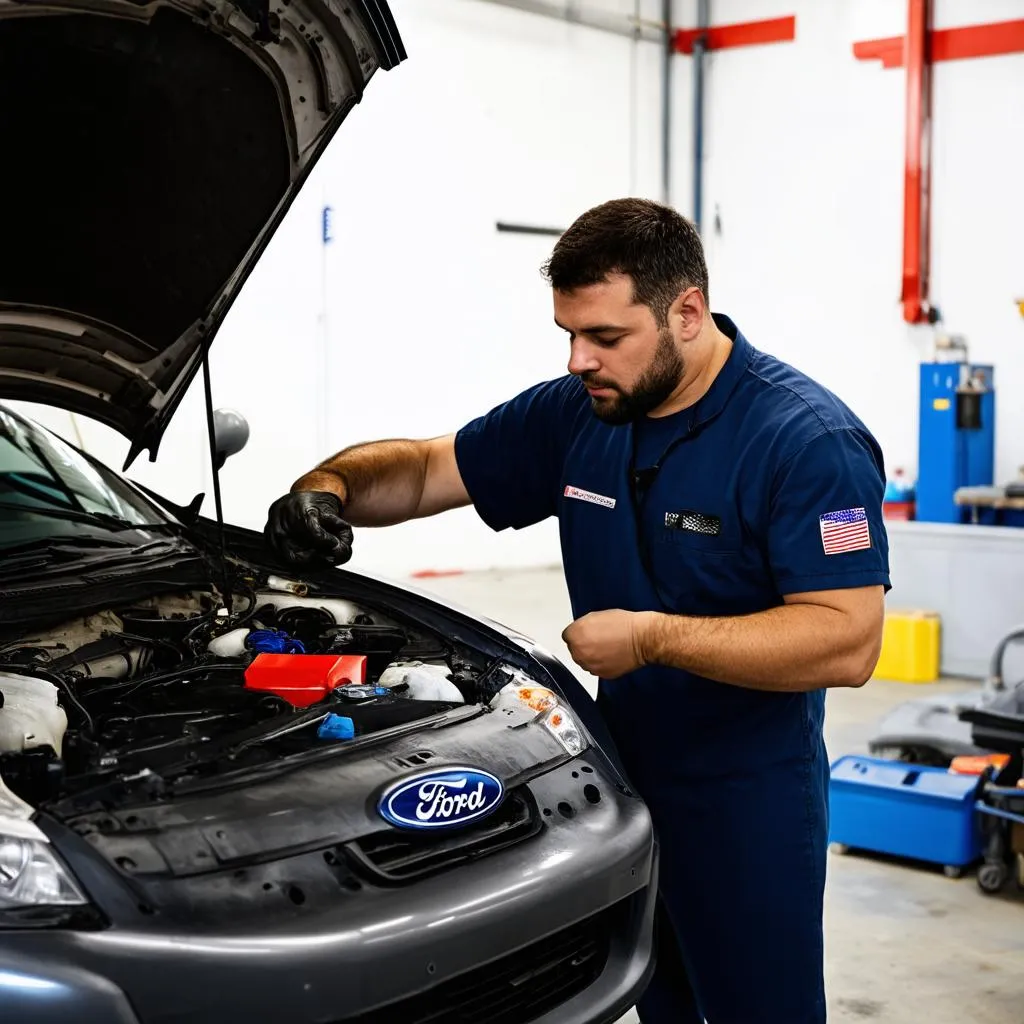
{"points": [[379, 950]]}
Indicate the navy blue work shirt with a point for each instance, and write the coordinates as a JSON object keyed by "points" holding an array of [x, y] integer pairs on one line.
{"points": [[769, 485]]}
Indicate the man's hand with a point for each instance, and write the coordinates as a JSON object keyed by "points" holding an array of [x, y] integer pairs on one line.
{"points": [[306, 530], [607, 644]]}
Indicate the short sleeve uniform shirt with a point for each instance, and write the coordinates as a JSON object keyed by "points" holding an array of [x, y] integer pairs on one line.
{"points": [[769, 485]]}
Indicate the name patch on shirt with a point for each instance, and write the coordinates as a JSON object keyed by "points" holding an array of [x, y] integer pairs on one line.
{"points": [[694, 522], [845, 531], [594, 499]]}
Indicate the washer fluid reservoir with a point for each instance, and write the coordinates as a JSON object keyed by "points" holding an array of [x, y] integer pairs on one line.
{"points": [[29, 714]]}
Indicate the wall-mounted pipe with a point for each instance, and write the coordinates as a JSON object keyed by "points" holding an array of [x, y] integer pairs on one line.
{"points": [[699, 50], [617, 24], [667, 60]]}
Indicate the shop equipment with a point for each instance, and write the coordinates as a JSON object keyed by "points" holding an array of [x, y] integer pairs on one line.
{"points": [[956, 434], [999, 726], [905, 810]]}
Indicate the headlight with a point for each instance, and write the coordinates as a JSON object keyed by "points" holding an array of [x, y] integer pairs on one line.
{"points": [[551, 713], [31, 876], [563, 727]]}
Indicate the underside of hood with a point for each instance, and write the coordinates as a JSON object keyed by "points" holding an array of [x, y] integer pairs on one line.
{"points": [[150, 151]]}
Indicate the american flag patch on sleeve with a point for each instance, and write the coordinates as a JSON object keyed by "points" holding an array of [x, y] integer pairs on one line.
{"points": [[845, 531]]}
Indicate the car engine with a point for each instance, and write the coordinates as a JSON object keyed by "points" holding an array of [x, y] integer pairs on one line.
{"points": [[178, 687]]}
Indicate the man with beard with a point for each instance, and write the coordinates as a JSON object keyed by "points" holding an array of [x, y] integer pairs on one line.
{"points": [[726, 559]]}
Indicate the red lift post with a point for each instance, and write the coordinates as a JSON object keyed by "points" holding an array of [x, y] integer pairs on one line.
{"points": [[917, 172], [918, 51]]}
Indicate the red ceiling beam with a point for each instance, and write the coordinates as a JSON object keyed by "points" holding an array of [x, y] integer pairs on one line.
{"points": [[747, 33], [917, 170], [990, 40]]}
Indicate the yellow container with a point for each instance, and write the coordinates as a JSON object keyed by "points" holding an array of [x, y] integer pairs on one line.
{"points": [[910, 647]]}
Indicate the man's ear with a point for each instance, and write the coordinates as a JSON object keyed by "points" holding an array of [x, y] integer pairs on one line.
{"points": [[686, 314]]}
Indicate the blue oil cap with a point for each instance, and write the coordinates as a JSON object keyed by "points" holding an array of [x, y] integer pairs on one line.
{"points": [[336, 727]]}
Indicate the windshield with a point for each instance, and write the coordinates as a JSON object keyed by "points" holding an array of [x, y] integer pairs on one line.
{"points": [[49, 490]]}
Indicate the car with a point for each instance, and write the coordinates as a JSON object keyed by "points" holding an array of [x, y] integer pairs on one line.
{"points": [[230, 791]]}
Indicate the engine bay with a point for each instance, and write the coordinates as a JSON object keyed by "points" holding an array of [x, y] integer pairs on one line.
{"points": [[180, 688]]}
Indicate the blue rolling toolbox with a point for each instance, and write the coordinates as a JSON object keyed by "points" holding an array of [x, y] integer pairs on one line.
{"points": [[905, 810]]}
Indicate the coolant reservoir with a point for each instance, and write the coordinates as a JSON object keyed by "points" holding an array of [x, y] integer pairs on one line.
{"points": [[30, 715]]}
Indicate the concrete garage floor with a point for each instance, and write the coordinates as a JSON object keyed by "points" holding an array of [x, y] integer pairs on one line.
{"points": [[904, 944]]}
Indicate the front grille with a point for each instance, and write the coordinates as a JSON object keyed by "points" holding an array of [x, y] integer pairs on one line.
{"points": [[394, 856], [516, 989]]}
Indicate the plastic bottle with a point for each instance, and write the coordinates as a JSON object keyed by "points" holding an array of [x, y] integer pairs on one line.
{"points": [[898, 501], [898, 488]]}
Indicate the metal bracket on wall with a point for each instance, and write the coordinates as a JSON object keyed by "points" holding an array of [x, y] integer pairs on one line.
{"points": [[726, 37]]}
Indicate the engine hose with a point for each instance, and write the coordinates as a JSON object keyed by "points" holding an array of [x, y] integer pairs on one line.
{"points": [[230, 623], [995, 669], [118, 691], [151, 642], [66, 690]]}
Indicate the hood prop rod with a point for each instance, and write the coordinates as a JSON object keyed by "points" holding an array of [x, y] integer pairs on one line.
{"points": [[215, 466]]}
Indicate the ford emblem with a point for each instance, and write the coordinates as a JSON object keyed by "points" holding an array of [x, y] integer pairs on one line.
{"points": [[447, 798]]}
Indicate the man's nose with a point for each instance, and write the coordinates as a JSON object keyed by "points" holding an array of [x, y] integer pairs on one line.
{"points": [[582, 358]]}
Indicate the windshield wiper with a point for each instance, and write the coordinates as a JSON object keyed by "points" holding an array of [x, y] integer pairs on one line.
{"points": [[56, 551], [73, 515], [62, 550]]}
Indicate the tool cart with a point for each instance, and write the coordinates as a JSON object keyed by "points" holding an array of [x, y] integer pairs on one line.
{"points": [[999, 726]]}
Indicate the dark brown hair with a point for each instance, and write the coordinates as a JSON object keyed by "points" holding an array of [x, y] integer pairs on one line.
{"points": [[651, 243]]}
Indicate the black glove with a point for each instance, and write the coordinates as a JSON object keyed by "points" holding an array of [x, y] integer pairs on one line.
{"points": [[306, 529]]}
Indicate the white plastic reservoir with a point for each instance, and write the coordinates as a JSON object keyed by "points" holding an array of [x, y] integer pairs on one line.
{"points": [[30, 716]]}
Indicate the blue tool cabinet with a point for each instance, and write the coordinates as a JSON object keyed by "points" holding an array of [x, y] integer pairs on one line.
{"points": [[905, 810], [956, 436]]}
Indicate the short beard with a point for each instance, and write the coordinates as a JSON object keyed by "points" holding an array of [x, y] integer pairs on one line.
{"points": [[656, 383]]}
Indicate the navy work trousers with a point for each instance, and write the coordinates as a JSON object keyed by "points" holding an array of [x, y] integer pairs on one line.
{"points": [[742, 882], [743, 849]]}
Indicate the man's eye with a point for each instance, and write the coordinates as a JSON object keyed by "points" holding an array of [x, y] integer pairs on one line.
{"points": [[605, 342]]}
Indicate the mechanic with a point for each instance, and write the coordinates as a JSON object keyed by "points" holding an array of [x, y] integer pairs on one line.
{"points": [[726, 559]]}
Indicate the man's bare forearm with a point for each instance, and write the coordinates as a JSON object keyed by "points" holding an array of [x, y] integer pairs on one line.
{"points": [[795, 647], [379, 483]]}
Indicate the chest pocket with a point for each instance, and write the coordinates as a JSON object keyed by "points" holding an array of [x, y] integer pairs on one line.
{"points": [[702, 532], [703, 562]]}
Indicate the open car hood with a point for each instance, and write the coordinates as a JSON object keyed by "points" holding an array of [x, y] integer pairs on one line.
{"points": [[151, 150]]}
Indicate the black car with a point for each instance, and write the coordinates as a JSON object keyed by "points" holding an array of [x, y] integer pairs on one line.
{"points": [[226, 793]]}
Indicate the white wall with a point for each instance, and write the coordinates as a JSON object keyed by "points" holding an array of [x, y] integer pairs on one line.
{"points": [[804, 161], [432, 316]]}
